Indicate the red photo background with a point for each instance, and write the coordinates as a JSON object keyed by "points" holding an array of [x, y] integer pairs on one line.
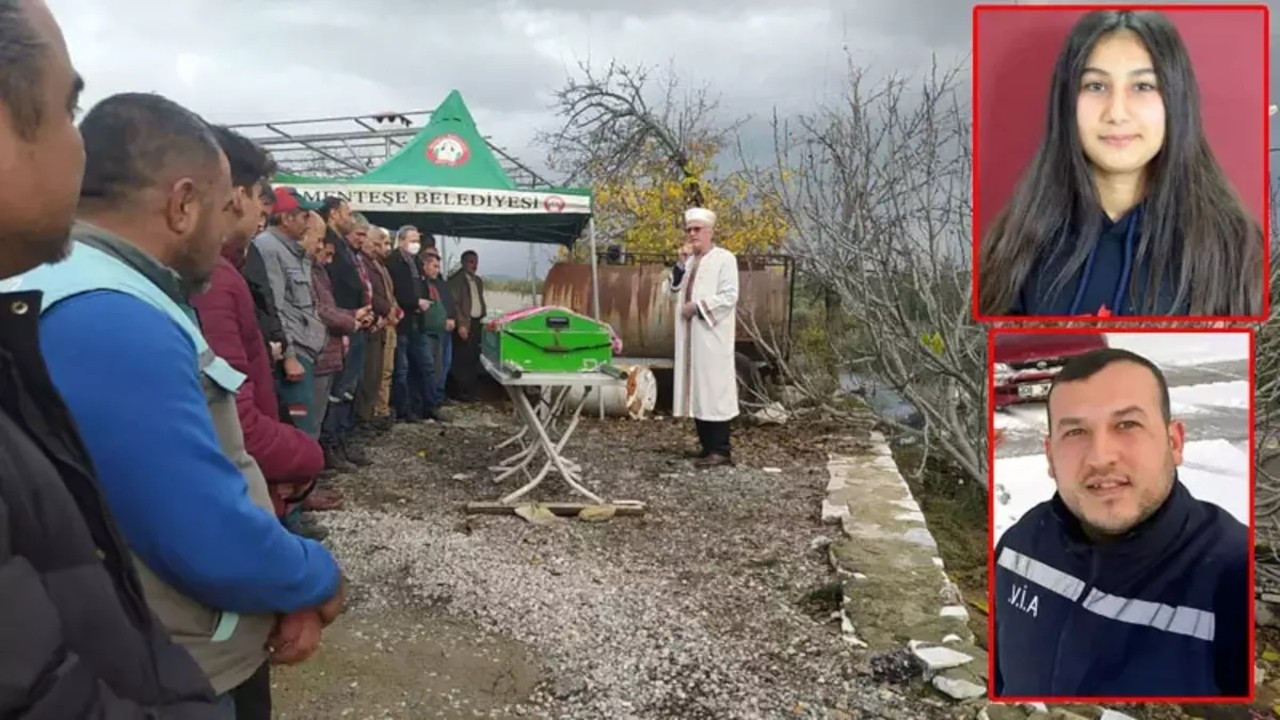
{"points": [[1015, 48]]}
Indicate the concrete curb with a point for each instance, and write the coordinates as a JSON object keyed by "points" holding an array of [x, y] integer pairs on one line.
{"points": [[895, 590], [896, 594]]}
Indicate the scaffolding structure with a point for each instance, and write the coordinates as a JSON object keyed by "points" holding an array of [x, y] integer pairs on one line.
{"points": [[348, 146], [351, 145]]}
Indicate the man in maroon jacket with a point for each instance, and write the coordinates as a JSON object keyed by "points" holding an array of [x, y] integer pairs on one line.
{"points": [[290, 460]]}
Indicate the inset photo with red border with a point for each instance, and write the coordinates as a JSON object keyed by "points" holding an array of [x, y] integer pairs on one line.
{"points": [[1121, 505], [1120, 162]]}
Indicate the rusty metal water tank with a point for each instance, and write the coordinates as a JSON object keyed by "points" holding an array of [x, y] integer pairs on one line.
{"points": [[636, 299]]}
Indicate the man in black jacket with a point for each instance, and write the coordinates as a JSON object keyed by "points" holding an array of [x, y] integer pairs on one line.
{"points": [[352, 291], [76, 637], [1123, 583], [410, 394], [255, 274]]}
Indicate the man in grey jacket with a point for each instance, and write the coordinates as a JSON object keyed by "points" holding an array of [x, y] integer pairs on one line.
{"points": [[289, 274]]}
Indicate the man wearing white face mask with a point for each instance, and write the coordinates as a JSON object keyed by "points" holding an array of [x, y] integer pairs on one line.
{"points": [[409, 396]]}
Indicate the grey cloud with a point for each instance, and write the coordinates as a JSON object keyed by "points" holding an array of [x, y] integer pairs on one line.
{"points": [[254, 60]]}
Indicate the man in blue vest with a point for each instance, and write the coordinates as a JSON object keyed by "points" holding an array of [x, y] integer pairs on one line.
{"points": [[156, 406], [1122, 584]]}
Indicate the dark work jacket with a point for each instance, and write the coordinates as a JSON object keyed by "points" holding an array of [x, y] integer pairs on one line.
{"points": [[76, 635], [1113, 277], [435, 318], [348, 288], [254, 270], [410, 287], [1161, 612], [379, 293]]}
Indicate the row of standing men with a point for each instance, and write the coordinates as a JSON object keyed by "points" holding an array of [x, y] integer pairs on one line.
{"points": [[361, 331], [145, 461], [144, 568]]}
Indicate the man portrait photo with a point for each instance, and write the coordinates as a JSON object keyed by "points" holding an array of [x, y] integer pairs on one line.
{"points": [[1123, 584]]}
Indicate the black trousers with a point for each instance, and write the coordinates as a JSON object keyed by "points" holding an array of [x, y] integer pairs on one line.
{"points": [[253, 696], [714, 436], [465, 371]]}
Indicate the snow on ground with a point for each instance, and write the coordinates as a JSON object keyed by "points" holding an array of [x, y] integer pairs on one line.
{"points": [[1020, 418], [1215, 467], [1184, 401], [1193, 399], [1213, 470], [1184, 349]]}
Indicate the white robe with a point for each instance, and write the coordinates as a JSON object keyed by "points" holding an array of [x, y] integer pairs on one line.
{"points": [[706, 381]]}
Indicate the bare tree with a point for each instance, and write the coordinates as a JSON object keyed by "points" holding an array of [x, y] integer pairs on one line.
{"points": [[877, 189], [612, 123], [1266, 511]]}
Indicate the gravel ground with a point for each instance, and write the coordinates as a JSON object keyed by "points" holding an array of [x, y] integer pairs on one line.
{"points": [[702, 608]]}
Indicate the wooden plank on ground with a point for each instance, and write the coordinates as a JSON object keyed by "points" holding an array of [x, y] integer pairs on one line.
{"points": [[622, 507]]}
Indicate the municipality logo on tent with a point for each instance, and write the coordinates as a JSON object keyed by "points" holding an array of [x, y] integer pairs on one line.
{"points": [[448, 150]]}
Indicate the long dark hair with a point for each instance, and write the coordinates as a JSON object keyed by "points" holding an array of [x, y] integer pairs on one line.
{"points": [[1194, 228]]}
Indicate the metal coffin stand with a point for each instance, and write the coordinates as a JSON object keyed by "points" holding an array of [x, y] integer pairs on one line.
{"points": [[540, 435]]}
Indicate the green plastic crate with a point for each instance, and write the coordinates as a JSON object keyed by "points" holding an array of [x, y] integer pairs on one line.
{"points": [[551, 340]]}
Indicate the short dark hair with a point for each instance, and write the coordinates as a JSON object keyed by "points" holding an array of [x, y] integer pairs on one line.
{"points": [[1086, 365], [131, 139], [250, 164], [265, 189], [470, 253], [328, 205], [21, 55]]}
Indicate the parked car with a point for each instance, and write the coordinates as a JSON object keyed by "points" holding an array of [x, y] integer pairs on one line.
{"points": [[1025, 363]]}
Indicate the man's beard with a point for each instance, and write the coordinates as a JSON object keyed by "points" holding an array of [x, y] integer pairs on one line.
{"points": [[195, 282], [194, 278], [57, 252], [31, 254], [48, 250], [198, 289]]}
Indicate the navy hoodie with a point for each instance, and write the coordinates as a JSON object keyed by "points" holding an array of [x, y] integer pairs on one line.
{"points": [[1161, 612], [1105, 279]]}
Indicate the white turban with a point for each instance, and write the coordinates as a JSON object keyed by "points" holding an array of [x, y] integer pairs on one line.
{"points": [[699, 215]]}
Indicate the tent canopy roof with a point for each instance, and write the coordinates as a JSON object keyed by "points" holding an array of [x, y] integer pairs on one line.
{"points": [[448, 152], [446, 181]]}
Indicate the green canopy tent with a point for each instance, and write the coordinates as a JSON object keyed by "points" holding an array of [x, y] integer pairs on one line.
{"points": [[446, 181]]}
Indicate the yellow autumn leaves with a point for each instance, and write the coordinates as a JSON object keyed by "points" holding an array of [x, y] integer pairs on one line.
{"points": [[643, 208]]}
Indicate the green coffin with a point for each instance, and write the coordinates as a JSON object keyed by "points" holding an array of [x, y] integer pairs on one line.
{"points": [[550, 340]]}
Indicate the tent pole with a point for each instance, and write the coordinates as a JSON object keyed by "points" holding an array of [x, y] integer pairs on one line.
{"points": [[595, 289], [533, 277], [595, 278]]}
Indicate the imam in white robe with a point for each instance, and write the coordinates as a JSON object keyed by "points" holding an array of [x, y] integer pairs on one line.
{"points": [[706, 381]]}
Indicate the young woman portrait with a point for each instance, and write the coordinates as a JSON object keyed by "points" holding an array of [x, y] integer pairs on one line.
{"points": [[1124, 211]]}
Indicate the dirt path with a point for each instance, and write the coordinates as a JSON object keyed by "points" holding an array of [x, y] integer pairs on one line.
{"points": [[711, 606], [406, 664]]}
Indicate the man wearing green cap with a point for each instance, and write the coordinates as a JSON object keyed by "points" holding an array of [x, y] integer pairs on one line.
{"points": [[289, 274]]}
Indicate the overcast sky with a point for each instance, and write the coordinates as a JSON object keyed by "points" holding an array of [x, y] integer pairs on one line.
{"points": [[260, 60]]}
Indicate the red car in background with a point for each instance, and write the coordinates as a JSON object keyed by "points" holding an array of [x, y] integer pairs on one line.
{"points": [[1025, 363]]}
